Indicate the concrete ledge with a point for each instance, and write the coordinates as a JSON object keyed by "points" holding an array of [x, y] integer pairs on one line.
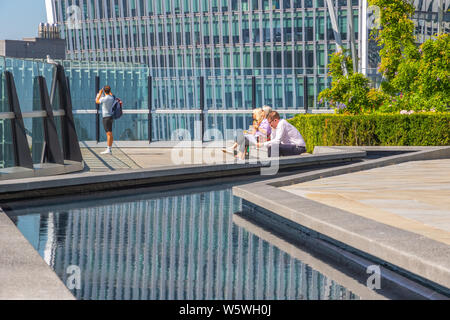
{"points": [[413, 154], [424, 257], [416, 254], [41, 170], [132, 178], [340, 265], [23, 273]]}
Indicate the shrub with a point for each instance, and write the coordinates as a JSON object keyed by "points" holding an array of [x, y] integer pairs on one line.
{"points": [[349, 93], [418, 129]]}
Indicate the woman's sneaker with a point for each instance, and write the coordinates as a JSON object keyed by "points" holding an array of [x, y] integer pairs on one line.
{"points": [[229, 150], [107, 151]]}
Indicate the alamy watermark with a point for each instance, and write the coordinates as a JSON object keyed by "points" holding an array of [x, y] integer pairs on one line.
{"points": [[74, 277], [188, 152], [374, 280], [73, 17], [373, 17]]}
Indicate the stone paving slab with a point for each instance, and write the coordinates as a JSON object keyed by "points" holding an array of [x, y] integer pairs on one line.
{"points": [[137, 158], [414, 196]]}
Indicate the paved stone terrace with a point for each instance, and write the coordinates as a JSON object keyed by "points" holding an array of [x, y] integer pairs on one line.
{"points": [[413, 196], [140, 158], [158, 155]]}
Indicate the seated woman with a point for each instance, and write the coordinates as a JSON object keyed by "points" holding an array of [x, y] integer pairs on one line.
{"points": [[265, 123], [260, 132]]}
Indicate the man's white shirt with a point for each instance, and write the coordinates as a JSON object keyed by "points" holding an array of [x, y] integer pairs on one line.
{"points": [[285, 133], [107, 102]]}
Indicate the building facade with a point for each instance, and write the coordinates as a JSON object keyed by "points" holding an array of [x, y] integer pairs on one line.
{"points": [[285, 44], [33, 48], [279, 42]]}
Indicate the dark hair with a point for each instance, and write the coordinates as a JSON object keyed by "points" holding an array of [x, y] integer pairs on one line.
{"points": [[273, 115], [107, 89]]}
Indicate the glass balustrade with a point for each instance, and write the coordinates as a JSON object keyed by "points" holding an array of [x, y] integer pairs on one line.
{"points": [[229, 95], [6, 140]]}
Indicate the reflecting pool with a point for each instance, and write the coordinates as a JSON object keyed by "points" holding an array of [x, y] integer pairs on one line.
{"points": [[167, 246]]}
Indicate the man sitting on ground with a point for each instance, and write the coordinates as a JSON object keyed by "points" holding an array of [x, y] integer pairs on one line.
{"points": [[285, 138]]}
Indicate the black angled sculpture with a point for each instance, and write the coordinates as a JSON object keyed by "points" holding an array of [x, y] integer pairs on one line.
{"points": [[22, 154], [71, 147], [52, 151]]}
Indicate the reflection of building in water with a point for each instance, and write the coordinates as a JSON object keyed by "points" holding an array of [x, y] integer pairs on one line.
{"points": [[336, 270], [179, 247]]}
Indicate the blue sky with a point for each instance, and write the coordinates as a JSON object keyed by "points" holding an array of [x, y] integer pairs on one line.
{"points": [[20, 18]]}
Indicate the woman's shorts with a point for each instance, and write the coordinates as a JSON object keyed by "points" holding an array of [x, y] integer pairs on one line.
{"points": [[107, 124]]}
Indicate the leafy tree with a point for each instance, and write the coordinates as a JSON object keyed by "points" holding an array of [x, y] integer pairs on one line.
{"points": [[348, 93], [414, 78], [395, 37]]}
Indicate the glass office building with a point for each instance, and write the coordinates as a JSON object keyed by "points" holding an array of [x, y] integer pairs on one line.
{"points": [[285, 44], [243, 54], [426, 18], [280, 43]]}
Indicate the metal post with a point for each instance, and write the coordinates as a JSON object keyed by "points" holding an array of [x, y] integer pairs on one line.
{"points": [[334, 24], [253, 92], [364, 37], [22, 154], [305, 93], [352, 35], [68, 86], [70, 145], [97, 106], [440, 16], [202, 106], [52, 151], [149, 93], [337, 34]]}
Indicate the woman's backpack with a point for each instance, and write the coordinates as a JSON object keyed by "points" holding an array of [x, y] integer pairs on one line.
{"points": [[117, 108]]}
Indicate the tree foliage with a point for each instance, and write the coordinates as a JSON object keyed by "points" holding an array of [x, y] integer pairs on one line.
{"points": [[414, 78]]}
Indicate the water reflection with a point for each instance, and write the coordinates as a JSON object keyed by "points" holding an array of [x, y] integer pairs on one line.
{"points": [[186, 246]]}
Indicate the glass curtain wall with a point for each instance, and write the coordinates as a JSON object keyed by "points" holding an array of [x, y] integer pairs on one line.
{"points": [[25, 74], [6, 139], [175, 98], [277, 41], [127, 81]]}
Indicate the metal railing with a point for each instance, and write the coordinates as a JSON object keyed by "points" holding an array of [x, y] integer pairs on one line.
{"points": [[158, 102]]}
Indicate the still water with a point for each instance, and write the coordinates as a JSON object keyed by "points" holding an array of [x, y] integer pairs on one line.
{"points": [[167, 246]]}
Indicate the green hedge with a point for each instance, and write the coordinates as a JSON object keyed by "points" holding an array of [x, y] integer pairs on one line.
{"points": [[420, 129]]}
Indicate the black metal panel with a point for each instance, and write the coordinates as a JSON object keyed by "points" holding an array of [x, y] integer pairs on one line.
{"points": [[202, 106], [149, 92], [22, 154], [68, 86], [253, 92], [71, 147], [52, 150], [305, 93], [97, 106]]}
